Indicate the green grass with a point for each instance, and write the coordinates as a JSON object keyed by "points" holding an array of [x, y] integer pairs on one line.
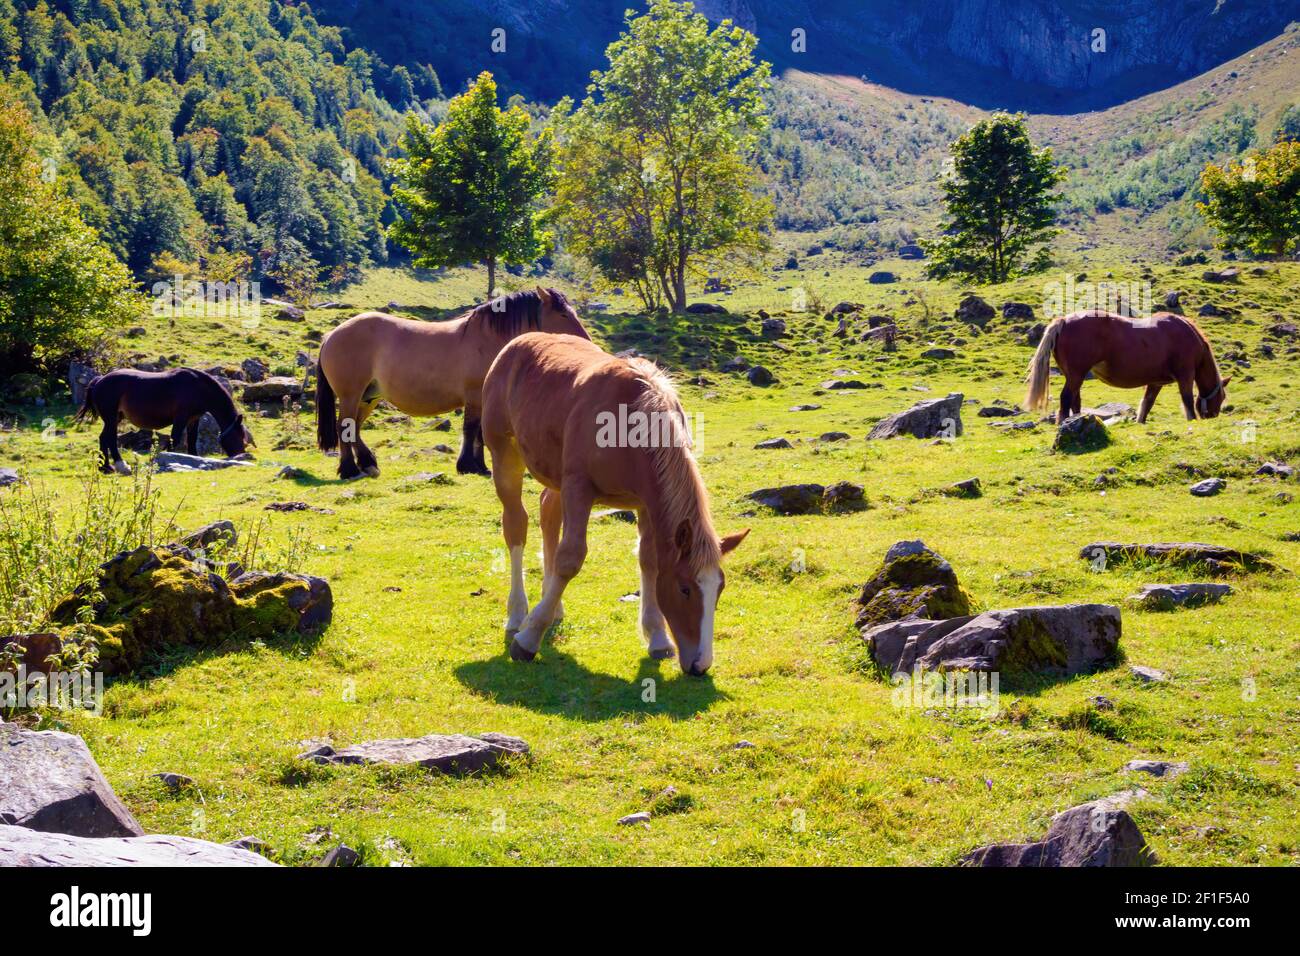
{"points": [[837, 773]]}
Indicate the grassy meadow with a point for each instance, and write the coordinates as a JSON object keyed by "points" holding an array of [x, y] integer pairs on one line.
{"points": [[837, 773]]}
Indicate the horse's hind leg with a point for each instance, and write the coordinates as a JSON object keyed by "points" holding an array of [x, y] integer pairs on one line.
{"points": [[653, 626], [471, 461], [509, 481], [1149, 399], [365, 457], [552, 516], [349, 429], [578, 497], [1071, 399], [108, 445]]}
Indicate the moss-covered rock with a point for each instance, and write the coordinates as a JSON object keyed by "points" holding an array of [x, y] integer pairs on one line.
{"points": [[152, 599], [913, 581]]}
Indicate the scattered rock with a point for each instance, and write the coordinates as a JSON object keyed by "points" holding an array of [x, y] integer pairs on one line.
{"points": [[23, 847], [1166, 597], [1276, 469], [804, 408], [1035, 334], [737, 364], [970, 488], [174, 782], [52, 784], [1184, 554], [911, 251], [1018, 311], [1210, 310], [8, 477], [252, 844], [273, 389], [1068, 639], [169, 461], [1221, 275], [882, 277], [932, 418], [833, 436], [217, 532], [773, 328], [308, 597], [837, 384], [1208, 488], [791, 499], [974, 311], [774, 443], [254, 369], [1081, 433], [843, 496], [1090, 835], [938, 354], [79, 378], [705, 308], [912, 581], [290, 313], [760, 376], [999, 410], [448, 753], [1148, 675], [1157, 768], [634, 818], [341, 855]]}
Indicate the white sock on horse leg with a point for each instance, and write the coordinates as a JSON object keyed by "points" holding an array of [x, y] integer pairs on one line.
{"points": [[517, 605]]}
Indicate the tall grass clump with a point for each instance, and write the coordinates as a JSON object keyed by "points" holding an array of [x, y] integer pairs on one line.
{"points": [[49, 545]]}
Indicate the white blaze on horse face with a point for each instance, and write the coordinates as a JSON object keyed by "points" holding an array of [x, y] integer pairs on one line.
{"points": [[710, 582], [517, 605]]}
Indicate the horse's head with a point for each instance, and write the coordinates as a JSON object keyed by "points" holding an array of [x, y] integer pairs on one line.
{"points": [[557, 315], [688, 599], [236, 437], [1211, 403]]}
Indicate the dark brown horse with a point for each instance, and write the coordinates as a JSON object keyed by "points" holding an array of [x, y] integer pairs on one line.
{"points": [[422, 368], [1165, 349], [177, 398]]}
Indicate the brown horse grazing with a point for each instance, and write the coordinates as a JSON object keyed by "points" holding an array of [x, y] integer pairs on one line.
{"points": [[551, 405], [423, 368], [177, 398], [1128, 353]]}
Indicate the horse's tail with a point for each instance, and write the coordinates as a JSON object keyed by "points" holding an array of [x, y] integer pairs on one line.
{"points": [[1040, 367], [327, 426], [87, 409]]}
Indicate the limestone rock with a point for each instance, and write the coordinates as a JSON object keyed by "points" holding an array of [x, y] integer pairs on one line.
{"points": [[913, 581], [932, 418], [1092, 834], [1166, 597], [1081, 433], [446, 753], [22, 847]]}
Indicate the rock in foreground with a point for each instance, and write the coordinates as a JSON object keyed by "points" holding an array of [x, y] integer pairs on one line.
{"points": [[23, 847], [448, 753], [1092, 834], [168, 461], [1081, 433], [50, 782], [1068, 639]]}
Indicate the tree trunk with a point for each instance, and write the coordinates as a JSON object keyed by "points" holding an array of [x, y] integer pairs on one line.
{"points": [[679, 292], [492, 276]]}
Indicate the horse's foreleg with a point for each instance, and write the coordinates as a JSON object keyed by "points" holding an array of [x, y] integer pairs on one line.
{"points": [[178, 435], [653, 626], [192, 435], [471, 461], [108, 444], [366, 460], [1149, 399], [1185, 391], [552, 516], [349, 427], [509, 481], [578, 497]]}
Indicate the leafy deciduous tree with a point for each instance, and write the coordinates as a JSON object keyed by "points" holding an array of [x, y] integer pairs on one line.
{"points": [[1255, 203]]}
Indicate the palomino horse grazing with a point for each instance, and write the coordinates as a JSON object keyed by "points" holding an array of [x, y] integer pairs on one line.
{"points": [[1128, 353], [422, 368], [176, 398], [550, 404]]}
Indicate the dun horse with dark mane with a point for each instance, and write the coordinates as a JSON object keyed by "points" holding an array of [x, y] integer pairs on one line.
{"points": [[422, 368], [1165, 349], [548, 402]]}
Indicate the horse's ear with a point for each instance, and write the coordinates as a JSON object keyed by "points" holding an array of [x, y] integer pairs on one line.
{"points": [[544, 296], [682, 538], [732, 541]]}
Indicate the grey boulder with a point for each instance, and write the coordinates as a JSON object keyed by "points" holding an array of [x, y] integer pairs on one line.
{"points": [[1166, 597], [22, 847], [52, 783], [932, 418], [447, 753], [1067, 639], [1092, 835]]}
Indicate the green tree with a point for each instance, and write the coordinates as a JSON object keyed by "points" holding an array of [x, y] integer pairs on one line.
{"points": [[62, 291], [1288, 124], [470, 188], [999, 196], [1255, 203], [655, 179]]}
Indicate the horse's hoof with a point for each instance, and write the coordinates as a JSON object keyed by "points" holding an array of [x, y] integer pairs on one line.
{"points": [[520, 653], [122, 468], [661, 653], [372, 471]]}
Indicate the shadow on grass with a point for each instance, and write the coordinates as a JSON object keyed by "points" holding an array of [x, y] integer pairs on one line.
{"points": [[555, 683]]}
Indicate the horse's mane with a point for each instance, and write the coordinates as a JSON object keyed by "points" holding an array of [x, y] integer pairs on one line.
{"points": [[517, 312], [684, 497]]}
